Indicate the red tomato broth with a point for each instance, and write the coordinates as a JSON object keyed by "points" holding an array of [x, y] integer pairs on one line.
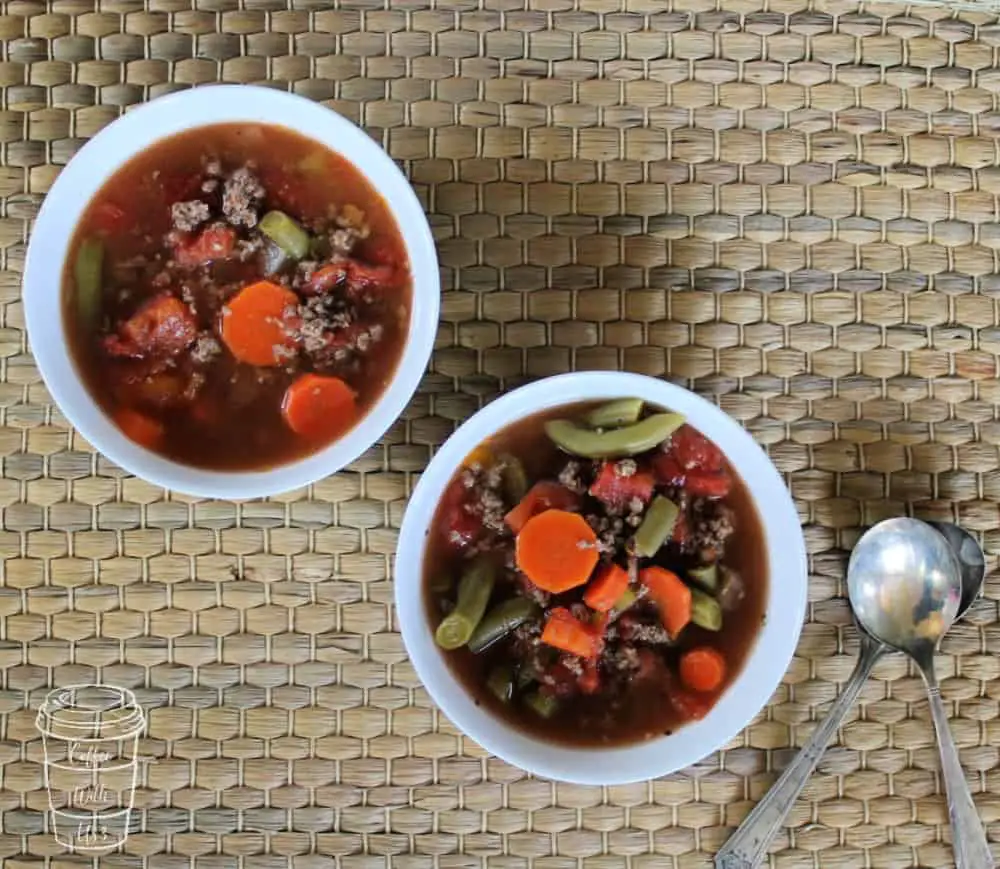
{"points": [[655, 706], [235, 421]]}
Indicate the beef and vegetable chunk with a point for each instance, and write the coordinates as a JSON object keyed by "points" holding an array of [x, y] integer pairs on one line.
{"points": [[583, 579], [237, 296]]}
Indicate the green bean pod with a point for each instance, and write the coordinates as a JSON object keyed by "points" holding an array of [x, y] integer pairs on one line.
{"points": [[706, 576], [285, 233], [500, 683], [614, 414], [501, 620], [613, 443], [474, 590], [705, 611], [657, 525], [515, 478], [87, 272], [544, 705]]}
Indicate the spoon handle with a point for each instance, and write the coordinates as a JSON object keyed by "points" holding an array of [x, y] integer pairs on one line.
{"points": [[972, 851], [747, 847]]}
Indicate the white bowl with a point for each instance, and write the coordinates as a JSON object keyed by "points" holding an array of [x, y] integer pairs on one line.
{"points": [[765, 664], [99, 159]]}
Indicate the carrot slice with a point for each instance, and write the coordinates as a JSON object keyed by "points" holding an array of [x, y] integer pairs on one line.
{"points": [[606, 588], [564, 631], [144, 430], [319, 407], [671, 596], [255, 324], [703, 669], [556, 550], [544, 495]]}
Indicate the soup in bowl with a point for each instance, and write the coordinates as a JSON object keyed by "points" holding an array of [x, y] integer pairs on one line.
{"points": [[588, 578], [247, 286]]}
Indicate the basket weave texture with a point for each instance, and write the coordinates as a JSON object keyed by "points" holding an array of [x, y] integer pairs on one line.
{"points": [[792, 208]]}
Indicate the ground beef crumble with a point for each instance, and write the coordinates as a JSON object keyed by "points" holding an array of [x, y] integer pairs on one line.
{"points": [[569, 477], [188, 216], [206, 347], [242, 194]]}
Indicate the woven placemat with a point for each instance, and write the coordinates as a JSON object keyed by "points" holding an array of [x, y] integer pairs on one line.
{"points": [[790, 208]]}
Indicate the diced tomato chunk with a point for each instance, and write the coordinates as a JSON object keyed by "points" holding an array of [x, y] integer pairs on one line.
{"points": [[163, 327], [326, 279], [616, 491], [216, 242], [694, 451], [365, 280], [461, 527], [668, 470], [544, 495], [710, 485]]}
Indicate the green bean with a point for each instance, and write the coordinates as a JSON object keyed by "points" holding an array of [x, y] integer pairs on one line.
{"points": [[656, 527], [285, 233], [614, 414], [500, 621], [526, 674], [87, 272], [705, 611], [501, 683], [706, 576], [515, 478], [544, 705], [440, 584], [613, 443], [474, 590]]}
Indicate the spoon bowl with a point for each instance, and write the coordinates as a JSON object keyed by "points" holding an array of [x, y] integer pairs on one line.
{"points": [[904, 580], [905, 584]]}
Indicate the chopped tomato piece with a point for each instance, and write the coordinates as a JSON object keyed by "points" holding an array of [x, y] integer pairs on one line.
{"points": [[216, 242], [694, 451], [544, 495], [325, 279], [364, 280], [461, 526], [163, 327], [668, 470], [617, 491], [709, 485]]}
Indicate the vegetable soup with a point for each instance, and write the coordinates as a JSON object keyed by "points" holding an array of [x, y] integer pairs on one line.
{"points": [[237, 296], [596, 574]]}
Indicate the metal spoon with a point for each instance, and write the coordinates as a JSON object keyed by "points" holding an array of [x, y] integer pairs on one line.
{"points": [[747, 847], [905, 585]]}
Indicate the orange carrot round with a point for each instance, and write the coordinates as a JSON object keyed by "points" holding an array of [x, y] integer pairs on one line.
{"points": [[255, 324], [566, 632], [144, 430], [606, 588], [556, 550], [318, 407], [703, 669], [671, 596]]}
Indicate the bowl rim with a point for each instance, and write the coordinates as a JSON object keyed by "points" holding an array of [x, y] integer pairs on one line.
{"points": [[140, 128], [766, 662]]}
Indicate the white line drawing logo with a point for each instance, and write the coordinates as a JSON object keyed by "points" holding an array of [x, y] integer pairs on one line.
{"points": [[90, 739]]}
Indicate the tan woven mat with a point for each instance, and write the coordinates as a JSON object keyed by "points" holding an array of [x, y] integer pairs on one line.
{"points": [[816, 186]]}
